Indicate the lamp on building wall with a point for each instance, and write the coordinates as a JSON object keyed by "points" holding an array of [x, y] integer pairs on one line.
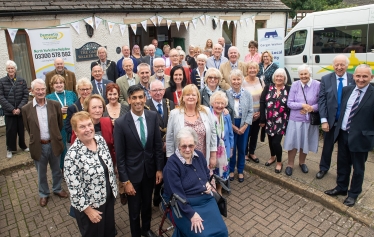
{"points": [[90, 30], [214, 24]]}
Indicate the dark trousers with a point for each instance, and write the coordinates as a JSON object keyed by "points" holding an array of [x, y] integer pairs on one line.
{"points": [[275, 146], [347, 159], [328, 147], [14, 126], [141, 203], [105, 228], [156, 193], [253, 136]]}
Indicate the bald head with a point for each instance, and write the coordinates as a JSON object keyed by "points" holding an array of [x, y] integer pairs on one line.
{"points": [[340, 64], [59, 65], [221, 41], [126, 51]]}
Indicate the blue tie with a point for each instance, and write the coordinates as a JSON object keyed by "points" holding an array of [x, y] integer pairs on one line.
{"points": [[340, 90], [353, 110], [159, 110]]}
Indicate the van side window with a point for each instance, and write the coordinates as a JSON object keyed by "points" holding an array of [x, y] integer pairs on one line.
{"points": [[295, 44], [342, 39], [371, 38]]}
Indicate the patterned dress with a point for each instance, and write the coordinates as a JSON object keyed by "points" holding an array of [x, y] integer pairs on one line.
{"points": [[71, 98], [199, 128]]}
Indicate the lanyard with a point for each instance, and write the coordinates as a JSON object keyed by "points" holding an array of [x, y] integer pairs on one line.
{"points": [[214, 60], [264, 70], [176, 95], [60, 100]]}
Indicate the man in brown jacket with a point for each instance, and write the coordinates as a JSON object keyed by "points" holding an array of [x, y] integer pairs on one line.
{"points": [[70, 80], [233, 63], [43, 121]]}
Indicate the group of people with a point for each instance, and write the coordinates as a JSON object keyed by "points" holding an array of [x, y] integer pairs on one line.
{"points": [[140, 124]]}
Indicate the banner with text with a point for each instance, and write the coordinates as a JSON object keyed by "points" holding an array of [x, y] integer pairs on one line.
{"points": [[271, 39], [49, 44]]}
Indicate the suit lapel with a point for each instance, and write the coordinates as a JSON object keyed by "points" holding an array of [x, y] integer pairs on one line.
{"points": [[334, 85], [49, 112], [149, 126], [350, 80], [367, 95], [166, 112], [344, 103], [34, 115], [131, 123]]}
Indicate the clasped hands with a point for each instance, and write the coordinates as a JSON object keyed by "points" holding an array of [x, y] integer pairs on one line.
{"points": [[239, 131], [16, 111], [306, 109]]}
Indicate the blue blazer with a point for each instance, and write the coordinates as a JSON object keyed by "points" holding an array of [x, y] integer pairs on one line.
{"points": [[229, 134], [246, 103], [96, 91], [195, 76]]}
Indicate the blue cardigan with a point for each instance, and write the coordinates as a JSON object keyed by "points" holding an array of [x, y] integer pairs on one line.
{"points": [[229, 134]]}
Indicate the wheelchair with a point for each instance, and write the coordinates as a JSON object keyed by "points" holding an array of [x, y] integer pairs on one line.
{"points": [[168, 207]]}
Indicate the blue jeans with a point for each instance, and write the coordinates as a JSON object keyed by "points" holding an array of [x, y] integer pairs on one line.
{"points": [[41, 166], [240, 143]]}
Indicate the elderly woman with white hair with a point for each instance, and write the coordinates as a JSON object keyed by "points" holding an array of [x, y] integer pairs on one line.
{"points": [[302, 136], [198, 73], [186, 174], [225, 135], [13, 96], [274, 114], [242, 103]]}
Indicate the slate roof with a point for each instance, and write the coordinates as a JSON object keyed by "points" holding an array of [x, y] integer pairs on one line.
{"points": [[24, 7]]}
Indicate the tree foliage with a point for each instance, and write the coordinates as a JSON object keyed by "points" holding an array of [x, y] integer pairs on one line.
{"points": [[314, 5]]}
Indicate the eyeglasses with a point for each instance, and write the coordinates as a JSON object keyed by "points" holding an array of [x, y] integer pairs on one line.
{"points": [[157, 91], [184, 147], [161, 66], [174, 56], [85, 89], [213, 78], [40, 89]]}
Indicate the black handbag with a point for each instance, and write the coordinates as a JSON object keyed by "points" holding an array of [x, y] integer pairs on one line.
{"points": [[314, 117], [221, 201]]}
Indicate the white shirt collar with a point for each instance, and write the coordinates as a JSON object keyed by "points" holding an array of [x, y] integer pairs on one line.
{"points": [[156, 103], [344, 76], [34, 103], [136, 117], [308, 84]]}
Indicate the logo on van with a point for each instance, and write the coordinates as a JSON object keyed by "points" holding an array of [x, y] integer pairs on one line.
{"points": [[271, 34]]}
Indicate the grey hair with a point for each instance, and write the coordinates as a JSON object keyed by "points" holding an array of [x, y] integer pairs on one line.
{"points": [[213, 71], [151, 46], [202, 57], [341, 55], [217, 45], [175, 50], [282, 72], [11, 63], [187, 132], [219, 95], [145, 47], [158, 59], [236, 73], [364, 66], [37, 81], [101, 48], [178, 48], [143, 65], [191, 46], [181, 52], [303, 67], [83, 81], [127, 59], [156, 82]]}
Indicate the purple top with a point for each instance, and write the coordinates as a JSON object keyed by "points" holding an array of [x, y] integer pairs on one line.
{"points": [[296, 99]]}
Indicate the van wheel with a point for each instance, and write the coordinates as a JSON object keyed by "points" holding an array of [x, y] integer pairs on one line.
{"points": [[289, 80]]}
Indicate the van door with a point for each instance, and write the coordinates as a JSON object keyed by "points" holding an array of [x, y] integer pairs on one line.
{"points": [[296, 51]]}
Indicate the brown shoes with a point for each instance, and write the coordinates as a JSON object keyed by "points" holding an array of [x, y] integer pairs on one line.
{"points": [[43, 201], [62, 194]]}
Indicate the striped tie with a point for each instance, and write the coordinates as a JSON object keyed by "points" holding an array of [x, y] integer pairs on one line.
{"points": [[353, 109]]}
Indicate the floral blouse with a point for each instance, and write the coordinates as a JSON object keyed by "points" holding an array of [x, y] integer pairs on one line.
{"points": [[275, 110], [199, 128], [85, 176]]}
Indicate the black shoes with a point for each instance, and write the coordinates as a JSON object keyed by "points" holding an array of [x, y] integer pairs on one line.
{"points": [[280, 170], [321, 174], [304, 168], [335, 192], [288, 171], [270, 163], [256, 160], [349, 201], [149, 233], [241, 180]]}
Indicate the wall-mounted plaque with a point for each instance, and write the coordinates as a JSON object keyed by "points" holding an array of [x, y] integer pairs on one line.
{"points": [[87, 52]]}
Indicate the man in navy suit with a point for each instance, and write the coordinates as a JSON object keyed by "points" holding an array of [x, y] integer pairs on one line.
{"points": [[109, 67], [140, 159], [99, 84], [225, 47], [328, 106], [355, 134]]}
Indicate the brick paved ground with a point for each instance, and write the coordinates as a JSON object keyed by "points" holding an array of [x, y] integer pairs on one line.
{"points": [[256, 208]]}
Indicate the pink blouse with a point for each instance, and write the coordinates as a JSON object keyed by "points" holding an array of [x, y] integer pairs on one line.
{"points": [[256, 58]]}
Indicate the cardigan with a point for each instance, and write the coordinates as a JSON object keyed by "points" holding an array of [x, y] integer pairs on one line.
{"points": [[246, 103]]}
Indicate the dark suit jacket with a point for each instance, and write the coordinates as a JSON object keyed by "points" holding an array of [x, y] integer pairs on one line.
{"points": [[169, 94], [328, 97], [31, 122], [96, 91], [227, 46], [147, 59], [361, 132], [72, 109], [111, 69], [132, 159], [195, 76], [162, 121]]}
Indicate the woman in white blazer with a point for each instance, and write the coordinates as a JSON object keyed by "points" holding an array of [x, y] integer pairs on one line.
{"points": [[192, 114]]}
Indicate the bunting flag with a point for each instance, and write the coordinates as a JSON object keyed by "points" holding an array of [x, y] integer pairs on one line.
{"points": [[144, 24], [186, 24], [247, 21], [235, 22], [178, 24], [241, 23], [110, 26], [89, 21], [202, 18], [253, 19], [75, 25], [168, 23], [133, 27], [228, 23], [122, 28], [215, 20], [12, 33], [153, 19], [207, 18], [159, 19], [221, 22], [194, 22], [98, 20]]}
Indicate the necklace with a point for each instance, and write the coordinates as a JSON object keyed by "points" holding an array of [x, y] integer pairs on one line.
{"points": [[190, 115]]}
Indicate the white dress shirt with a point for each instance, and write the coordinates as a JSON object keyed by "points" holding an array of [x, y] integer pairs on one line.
{"points": [[157, 103], [350, 102], [137, 124], [41, 112]]}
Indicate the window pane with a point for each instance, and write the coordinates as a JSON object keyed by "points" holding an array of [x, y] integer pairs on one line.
{"points": [[287, 45], [371, 38], [21, 58], [343, 39], [299, 42], [228, 32], [259, 25]]}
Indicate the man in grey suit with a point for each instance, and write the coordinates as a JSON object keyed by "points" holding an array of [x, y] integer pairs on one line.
{"points": [[355, 132], [329, 107], [129, 79], [149, 58], [99, 84]]}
